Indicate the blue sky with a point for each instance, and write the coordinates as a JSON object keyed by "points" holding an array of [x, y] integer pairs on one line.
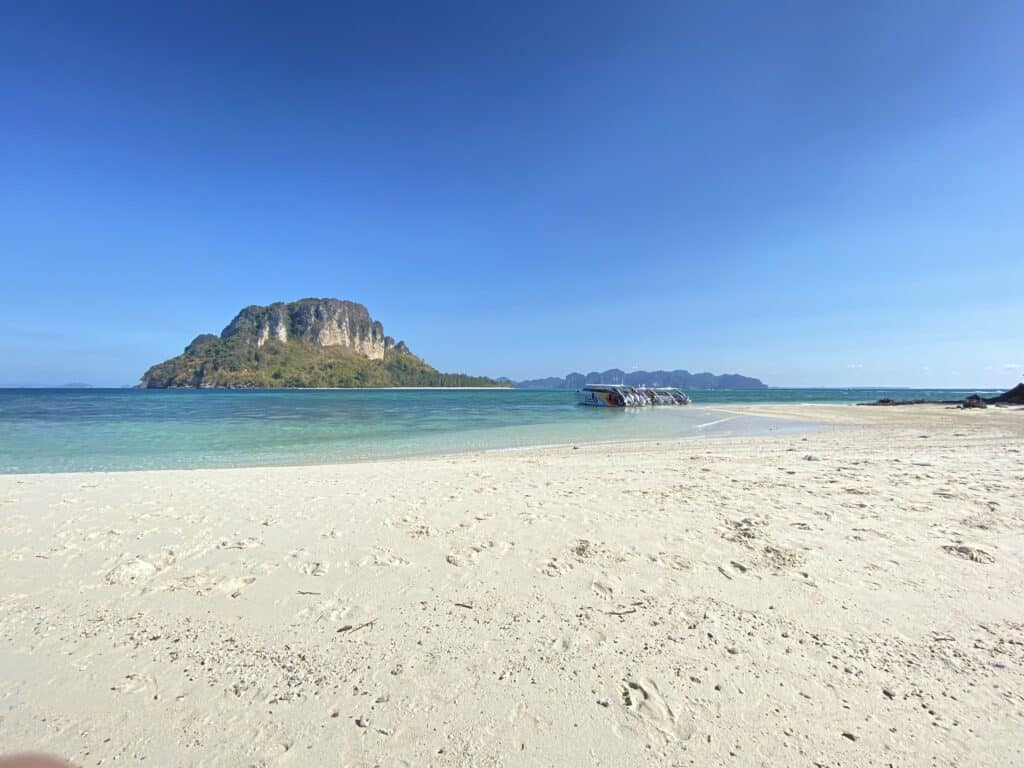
{"points": [[808, 193]]}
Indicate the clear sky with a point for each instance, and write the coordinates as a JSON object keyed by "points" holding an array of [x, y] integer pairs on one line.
{"points": [[812, 193]]}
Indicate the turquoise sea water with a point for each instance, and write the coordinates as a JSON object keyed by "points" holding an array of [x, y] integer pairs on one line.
{"points": [[65, 430]]}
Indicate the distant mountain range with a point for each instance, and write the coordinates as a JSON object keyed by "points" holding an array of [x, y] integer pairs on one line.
{"points": [[679, 378], [309, 343]]}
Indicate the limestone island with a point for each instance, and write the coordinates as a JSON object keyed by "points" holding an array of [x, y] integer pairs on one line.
{"points": [[311, 343]]}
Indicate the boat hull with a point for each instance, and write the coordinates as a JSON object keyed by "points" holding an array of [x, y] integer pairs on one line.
{"points": [[599, 399]]}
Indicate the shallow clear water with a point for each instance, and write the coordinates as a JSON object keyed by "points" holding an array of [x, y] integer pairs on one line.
{"points": [[58, 430]]}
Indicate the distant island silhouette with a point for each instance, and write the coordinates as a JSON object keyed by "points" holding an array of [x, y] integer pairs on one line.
{"points": [[676, 378]]}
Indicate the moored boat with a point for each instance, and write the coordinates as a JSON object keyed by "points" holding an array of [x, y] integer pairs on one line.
{"points": [[666, 396], [607, 396], [623, 396]]}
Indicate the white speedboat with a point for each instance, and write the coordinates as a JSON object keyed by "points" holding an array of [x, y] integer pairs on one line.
{"points": [[624, 396], [677, 395], [609, 396], [665, 396]]}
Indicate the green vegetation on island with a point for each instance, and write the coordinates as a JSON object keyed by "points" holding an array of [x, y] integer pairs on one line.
{"points": [[314, 343]]}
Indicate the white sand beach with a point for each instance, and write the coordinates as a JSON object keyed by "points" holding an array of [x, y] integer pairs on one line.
{"points": [[846, 597]]}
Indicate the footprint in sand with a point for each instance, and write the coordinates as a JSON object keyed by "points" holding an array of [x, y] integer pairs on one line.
{"points": [[205, 582], [383, 558], [984, 522], [135, 570], [131, 571], [330, 609], [974, 554], [234, 587], [578, 641], [671, 561], [247, 543], [743, 531], [471, 522], [644, 701], [783, 558], [604, 587], [556, 567], [587, 550], [136, 683], [471, 554], [416, 527]]}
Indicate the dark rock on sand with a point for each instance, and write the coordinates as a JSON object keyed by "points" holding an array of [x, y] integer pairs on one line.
{"points": [[890, 401], [1013, 396]]}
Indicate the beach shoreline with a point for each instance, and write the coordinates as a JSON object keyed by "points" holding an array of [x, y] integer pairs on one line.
{"points": [[848, 594], [792, 423], [790, 417]]}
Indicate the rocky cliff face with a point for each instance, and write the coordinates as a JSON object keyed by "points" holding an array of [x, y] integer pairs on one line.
{"points": [[321, 322]]}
